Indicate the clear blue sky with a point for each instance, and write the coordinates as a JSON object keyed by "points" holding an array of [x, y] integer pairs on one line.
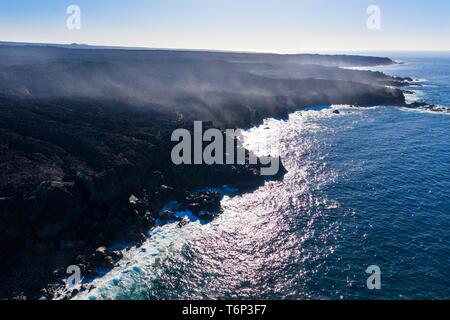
{"points": [[255, 25]]}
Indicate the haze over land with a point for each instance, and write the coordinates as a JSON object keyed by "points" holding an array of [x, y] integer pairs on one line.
{"points": [[228, 88], [88, 112], [83, 129]]}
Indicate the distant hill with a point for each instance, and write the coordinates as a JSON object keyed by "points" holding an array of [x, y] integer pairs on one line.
{"points": [[82, 128], [41, 50]]}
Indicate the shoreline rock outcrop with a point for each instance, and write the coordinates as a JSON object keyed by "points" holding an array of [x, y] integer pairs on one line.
{"points": [[82, 131]]}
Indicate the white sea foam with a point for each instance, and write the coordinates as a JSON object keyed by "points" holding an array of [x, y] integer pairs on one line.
{"points": [[137, 264], [135, 273], [414, 96], [430, 111], [419, 80]]}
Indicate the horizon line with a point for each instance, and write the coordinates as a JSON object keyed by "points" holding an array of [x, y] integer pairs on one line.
{"points": [[119, 47]]}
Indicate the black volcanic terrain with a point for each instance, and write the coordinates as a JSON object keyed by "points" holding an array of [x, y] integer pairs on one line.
{"points": [[84, 129]]}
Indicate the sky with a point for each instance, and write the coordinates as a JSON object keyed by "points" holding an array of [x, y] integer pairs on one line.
{"points": [[240, 25]]}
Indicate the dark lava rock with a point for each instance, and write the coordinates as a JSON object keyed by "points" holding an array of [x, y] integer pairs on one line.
{"points": [[109, 263], [116, 255], [194, 207], [206, 201], [204, 205], [141, 239], [99, 255], [167, 214], [87, 287], [183, 223], [416, 105], [70, 157]]}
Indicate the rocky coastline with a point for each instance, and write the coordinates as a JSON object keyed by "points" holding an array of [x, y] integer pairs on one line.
{"points": [[80, 173]]}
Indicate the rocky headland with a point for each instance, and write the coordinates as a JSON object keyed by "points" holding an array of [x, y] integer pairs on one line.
{"points": [[85, 141]]}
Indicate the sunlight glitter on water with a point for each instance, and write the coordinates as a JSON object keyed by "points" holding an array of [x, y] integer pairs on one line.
{"points": [[365, 186], [235, 254]]}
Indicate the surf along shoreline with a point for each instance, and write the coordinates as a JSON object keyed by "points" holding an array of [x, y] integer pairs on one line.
{"points": [[123, 202]]}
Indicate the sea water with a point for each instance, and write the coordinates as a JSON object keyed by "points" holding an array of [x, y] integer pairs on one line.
{"points": [[367, 186]]}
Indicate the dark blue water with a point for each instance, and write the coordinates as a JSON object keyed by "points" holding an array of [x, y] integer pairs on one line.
{"points": [[433, 71], [365, 187]]}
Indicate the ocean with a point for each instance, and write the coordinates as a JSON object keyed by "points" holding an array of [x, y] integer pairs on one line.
{"points": [[367, 186]]}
